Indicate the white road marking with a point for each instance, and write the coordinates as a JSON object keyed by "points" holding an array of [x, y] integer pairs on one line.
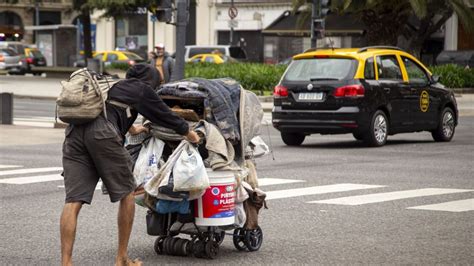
{"points": [[389, 196], [33, 123], [4, 166], [288, 193], [31, 179], [30, 170], [276, 181], [450, 206]]}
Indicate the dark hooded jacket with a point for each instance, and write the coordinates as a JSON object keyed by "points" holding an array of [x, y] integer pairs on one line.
{"points": [[136, 91]]}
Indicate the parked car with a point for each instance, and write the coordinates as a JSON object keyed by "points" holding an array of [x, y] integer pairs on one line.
{"points": [[235, 52], [370, 92], [19, 48], [34, 57], [10, 60], [211, 58], [109, 57]]}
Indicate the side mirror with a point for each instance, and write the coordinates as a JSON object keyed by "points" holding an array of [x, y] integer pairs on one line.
{"points": [[435, 78]]}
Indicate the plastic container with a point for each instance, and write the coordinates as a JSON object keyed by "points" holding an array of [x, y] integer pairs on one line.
{"points": [[217, 206]]}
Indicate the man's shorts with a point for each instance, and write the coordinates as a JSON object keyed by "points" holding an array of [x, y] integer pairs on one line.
{"points": [[92, 151]]}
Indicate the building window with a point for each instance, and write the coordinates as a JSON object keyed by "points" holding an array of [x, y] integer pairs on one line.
{"points": [[131, 33]]}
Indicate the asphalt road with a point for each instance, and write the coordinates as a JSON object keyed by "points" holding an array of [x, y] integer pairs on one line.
{"points": [[307, 221]]}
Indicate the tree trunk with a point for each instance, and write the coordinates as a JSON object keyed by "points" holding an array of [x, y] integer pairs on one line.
{"points": [[413, 39], [86, 27]]}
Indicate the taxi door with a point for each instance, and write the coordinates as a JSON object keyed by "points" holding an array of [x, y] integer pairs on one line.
{"points": [[426, 100], [391, 82]]}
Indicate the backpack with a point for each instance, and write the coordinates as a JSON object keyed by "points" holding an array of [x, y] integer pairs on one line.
{"points": [[83, 97]]}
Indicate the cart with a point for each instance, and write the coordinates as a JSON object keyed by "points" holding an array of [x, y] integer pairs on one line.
{"points": [[180, 235]]}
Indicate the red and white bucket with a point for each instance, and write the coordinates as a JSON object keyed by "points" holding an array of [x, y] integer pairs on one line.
{"points": [[216, 207]]}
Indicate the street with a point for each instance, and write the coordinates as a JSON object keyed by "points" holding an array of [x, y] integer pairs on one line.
{"points": [[187, 82], [331, 201]]}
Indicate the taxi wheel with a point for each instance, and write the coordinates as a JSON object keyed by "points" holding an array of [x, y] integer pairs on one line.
{"points": [[445, 130], [378, 130], [292, 139]]}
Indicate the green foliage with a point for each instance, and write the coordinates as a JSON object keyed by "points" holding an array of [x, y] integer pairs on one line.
{"points": [[252, 76], [454, 76]]}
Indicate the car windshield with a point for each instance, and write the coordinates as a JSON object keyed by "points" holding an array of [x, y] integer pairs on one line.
{"points": [[7, 52], [36, 53], [133, 56], [320, 69]]}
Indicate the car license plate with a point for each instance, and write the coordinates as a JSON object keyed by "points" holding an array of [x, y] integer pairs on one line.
{"points": [[313, 96]]}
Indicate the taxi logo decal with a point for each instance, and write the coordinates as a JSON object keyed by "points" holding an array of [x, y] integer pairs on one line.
{"points": [[424, 101]]}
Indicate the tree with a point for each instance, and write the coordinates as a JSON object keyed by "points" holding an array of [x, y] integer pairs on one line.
{"points": [[85, 18], [112, 8], [404, 23]]}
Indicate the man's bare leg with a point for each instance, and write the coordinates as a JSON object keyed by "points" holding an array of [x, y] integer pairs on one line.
{"points": [[125, 217], [68, 225]]}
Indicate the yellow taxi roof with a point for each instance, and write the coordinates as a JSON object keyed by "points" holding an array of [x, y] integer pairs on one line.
{"points": [[356, 53]]}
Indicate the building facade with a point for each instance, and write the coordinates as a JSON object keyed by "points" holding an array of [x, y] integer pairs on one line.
{"points": [[264, 28], [15, 17]]}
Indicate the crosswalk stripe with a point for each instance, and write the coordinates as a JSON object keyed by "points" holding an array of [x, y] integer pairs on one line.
{"points": [[389, 196], [4, 166], [450, 206], [288, 193], [31, 179], [33, 123], [276, 181], [30, 170]]}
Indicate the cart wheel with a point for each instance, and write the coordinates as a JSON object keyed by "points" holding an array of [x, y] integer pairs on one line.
{"points": [[238, 239], [199, 249], [211, 249], [219, 237], [168, 245], [159, 245], [253, 239]]}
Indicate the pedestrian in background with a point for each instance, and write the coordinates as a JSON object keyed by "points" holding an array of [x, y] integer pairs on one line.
{"points": [[163, 62], [95, 150]]}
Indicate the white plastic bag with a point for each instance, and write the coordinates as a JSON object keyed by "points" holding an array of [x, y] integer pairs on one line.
{"points": [[240, 216], [148, 159], [189, 173]]}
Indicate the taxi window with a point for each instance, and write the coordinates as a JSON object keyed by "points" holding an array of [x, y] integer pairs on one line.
{"points": [[99, 56], [388, 67], [112, 57], [197, 59], [415, 73], [205, 50], [369, 71], [209, 59], [132, 56], [321, 69]]}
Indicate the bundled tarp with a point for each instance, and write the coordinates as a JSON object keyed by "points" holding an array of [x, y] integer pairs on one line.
{"points": [[235, 111], [220, 96]]}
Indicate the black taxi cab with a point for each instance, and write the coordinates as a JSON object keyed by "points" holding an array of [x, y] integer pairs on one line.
{"points": [[371, 92]]}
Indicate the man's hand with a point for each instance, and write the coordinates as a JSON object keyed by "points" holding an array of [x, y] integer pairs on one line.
{"points": [[137, 129], [192, 137]]}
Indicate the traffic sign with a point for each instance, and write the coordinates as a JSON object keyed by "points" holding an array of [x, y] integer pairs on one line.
{"points": [[233, 23], [233, 12]]}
